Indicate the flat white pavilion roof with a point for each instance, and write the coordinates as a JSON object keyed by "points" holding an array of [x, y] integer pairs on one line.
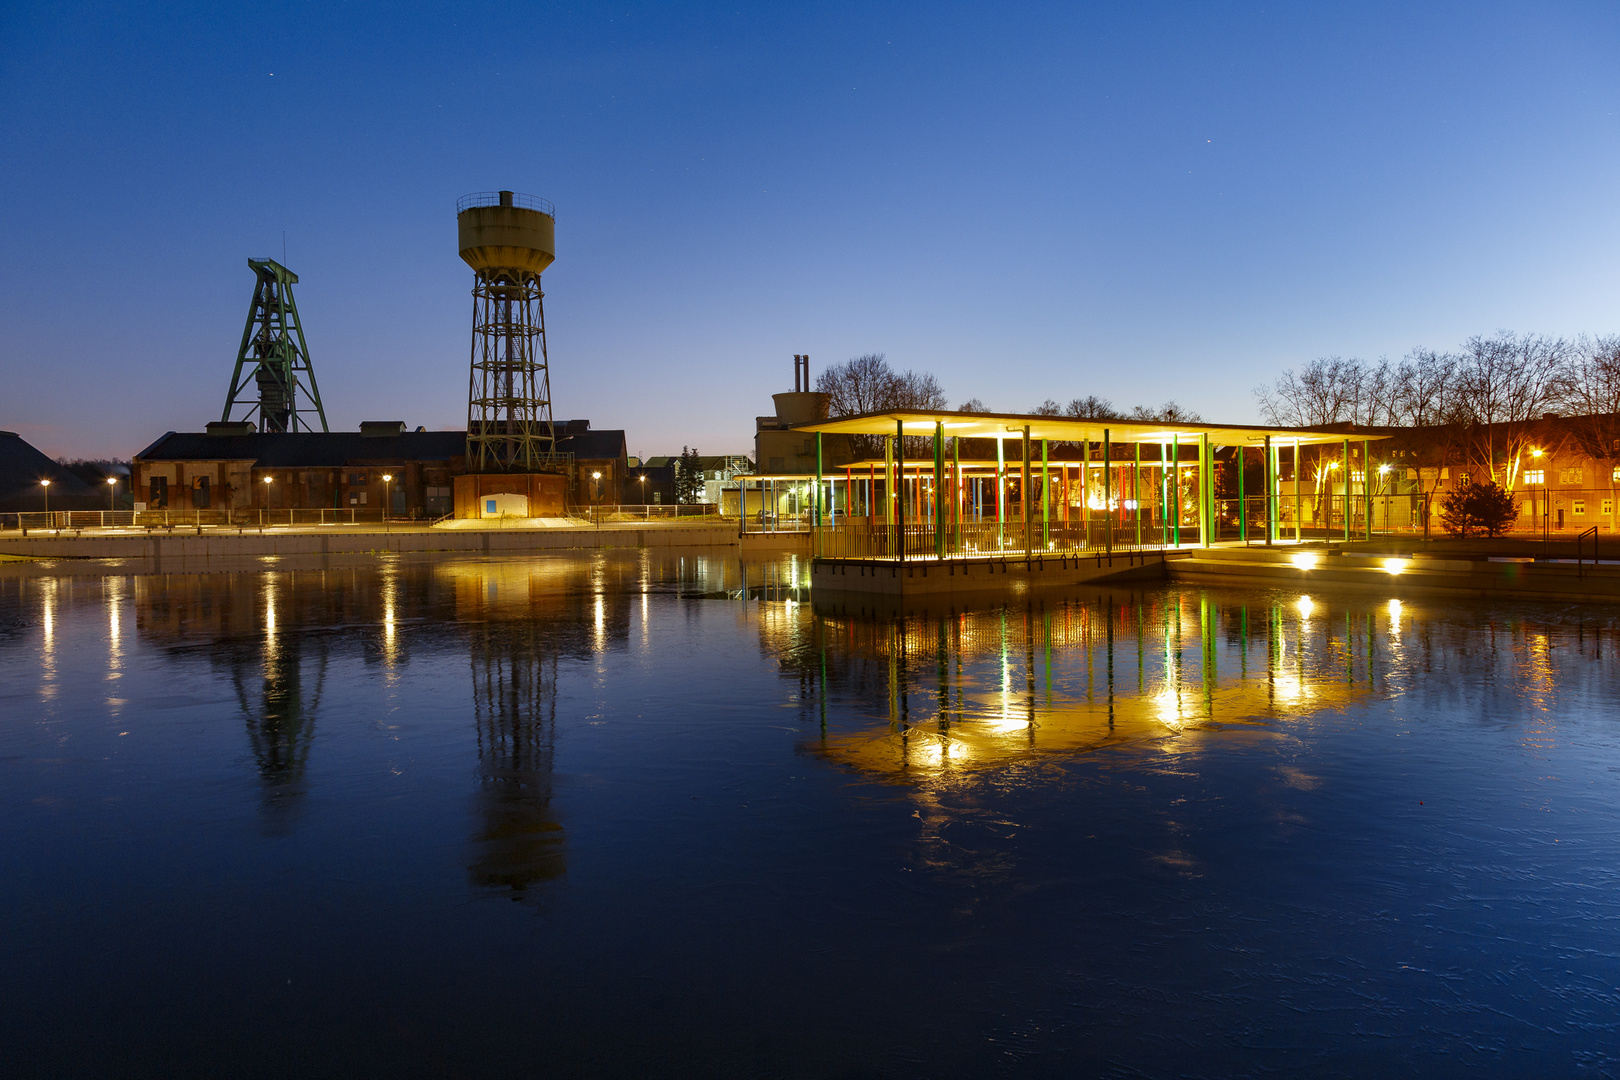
{"points": [[1067, 429]]}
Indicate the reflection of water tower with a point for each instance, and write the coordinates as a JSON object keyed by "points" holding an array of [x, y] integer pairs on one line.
{"points": [[508, 240], [519, 842]]}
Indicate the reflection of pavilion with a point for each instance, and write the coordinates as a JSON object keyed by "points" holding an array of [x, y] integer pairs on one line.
{"points": [[973, 691]]}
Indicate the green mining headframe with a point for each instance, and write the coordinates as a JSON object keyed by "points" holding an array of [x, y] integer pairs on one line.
{"points": [[273, 344]]}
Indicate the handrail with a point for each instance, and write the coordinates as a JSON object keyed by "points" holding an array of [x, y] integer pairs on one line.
{"points": [[493, 198], [1580, 567]]}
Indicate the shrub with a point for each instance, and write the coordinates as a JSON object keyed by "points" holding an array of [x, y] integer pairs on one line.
{"points": [[1482, 508]]}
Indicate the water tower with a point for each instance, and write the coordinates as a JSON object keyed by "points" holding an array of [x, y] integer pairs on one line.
{"points": [[508, 240]]}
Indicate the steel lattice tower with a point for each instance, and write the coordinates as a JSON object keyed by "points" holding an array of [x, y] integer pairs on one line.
{"points": [[273, 343], [508, 240]]}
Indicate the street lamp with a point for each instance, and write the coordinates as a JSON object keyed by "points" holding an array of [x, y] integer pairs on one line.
{"points": [[388, 494], [46, 484], [112, 489]]}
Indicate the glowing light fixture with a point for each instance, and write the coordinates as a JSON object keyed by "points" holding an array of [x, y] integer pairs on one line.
{"points": [[1305, 561]]}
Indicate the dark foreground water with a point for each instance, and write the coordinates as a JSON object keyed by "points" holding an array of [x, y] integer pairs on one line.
{"points": [[640, 817]]}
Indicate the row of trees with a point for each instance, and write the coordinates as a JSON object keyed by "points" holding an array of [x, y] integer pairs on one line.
{"points": [[1479, 408]]}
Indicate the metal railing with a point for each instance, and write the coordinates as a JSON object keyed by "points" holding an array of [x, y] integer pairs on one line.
{"points": [[153, 520], [649, 512], [493, 198], [856, 539]]}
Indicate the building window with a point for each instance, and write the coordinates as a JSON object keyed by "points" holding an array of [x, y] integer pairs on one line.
{"points": [[1616, 474], [158, 497], [1535, 476], [357, 479], [1578, 508], [1607, 507], [1569, 476]]}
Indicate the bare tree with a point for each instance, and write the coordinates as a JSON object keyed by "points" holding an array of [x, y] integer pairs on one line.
{"points": [[1047, 408], [1092, 407], [1169, 413], [1506, 384], [973, 405], [1424, 400], [866, 384], [861, 384], [1325, 391], [1590, 395]]}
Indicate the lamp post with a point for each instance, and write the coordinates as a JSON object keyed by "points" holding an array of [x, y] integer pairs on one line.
{"points": [[112, 490], [1383, 485], [388, 495], [1547, 495], [46, 485]]}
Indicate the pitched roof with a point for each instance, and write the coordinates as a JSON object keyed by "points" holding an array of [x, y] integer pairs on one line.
{"points": [[22, 467], [307, 449]]}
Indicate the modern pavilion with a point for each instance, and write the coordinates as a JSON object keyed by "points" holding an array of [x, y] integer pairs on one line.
{"points": [[972, 485]]}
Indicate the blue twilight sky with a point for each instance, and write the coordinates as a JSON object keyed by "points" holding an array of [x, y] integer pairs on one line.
{"points": [[1139, 200]]}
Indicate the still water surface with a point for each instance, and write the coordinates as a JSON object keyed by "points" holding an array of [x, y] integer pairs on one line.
{"points": [[635, 815]]}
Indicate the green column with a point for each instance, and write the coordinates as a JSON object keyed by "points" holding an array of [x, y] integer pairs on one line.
{"points": [[1046, 501], [1108, 493], [900, 486], [1346, 471]]}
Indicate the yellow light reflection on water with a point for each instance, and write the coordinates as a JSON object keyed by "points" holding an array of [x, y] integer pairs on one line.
{"points": [[1305, 605]]}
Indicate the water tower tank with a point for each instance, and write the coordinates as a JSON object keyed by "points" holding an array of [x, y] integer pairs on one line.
{"points": [[502, 230]]}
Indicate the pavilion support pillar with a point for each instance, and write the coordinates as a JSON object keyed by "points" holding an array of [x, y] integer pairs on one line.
{"points": [[815, 509], [956, 460], [1001, 493], [1299, 503], [939, 483], [1243, 509], [1023, 501], [1046, 500], [1175, 483], [1206, 491], [1268, 475], [1136, 492], [1346, 470], [1366, 485], [900, 491], [1085, 487], [1108, 493]]}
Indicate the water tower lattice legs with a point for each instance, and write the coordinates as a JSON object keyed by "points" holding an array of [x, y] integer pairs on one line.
{"points": [[509, 423]]}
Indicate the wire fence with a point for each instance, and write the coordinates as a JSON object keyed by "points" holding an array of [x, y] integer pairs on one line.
{"points": [[650, 512]]}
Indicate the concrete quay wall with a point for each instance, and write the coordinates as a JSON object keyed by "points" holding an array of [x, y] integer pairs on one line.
{"points": [[1302, 568], [211, 544], [961, 577]]}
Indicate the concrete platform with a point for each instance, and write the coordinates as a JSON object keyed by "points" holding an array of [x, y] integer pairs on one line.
{"points": [[1475, 575]]}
